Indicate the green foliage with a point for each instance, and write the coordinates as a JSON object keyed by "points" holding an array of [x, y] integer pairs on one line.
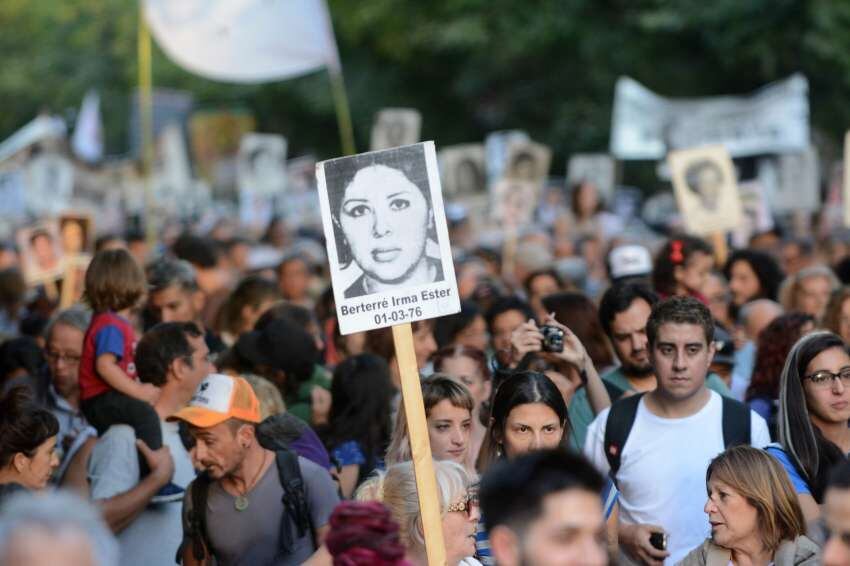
{"points": [[470, 66]]}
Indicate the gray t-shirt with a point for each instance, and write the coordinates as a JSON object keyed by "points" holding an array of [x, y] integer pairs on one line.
{"points": [[250, 537], [113, 468]]}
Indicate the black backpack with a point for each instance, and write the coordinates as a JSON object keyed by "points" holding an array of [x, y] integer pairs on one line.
{"points": [[621, 418], [294, 500]]}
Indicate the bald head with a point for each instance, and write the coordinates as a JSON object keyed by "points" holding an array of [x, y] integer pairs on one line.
{"points": [[756, 315]]}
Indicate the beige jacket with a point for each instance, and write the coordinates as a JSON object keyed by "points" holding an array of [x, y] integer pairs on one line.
{"points": [[800, 552]]}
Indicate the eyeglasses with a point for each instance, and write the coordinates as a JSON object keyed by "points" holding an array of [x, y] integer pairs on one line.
{"points": [[56, 357], [824, 378], [465, 504]]}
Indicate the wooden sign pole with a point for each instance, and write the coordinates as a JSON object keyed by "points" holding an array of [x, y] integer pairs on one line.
{"points": [[420, 447], [721, 250], [69, 285]]}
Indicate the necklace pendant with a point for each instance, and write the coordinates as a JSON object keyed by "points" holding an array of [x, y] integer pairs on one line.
{"points": [[241, 503]]}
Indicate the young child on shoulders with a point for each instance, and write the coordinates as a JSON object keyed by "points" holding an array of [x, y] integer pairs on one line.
{"points": [[110, 392]]}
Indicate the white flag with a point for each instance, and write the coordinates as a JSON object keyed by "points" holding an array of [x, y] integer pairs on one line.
{"points": [[87, 141], [245, 41]]}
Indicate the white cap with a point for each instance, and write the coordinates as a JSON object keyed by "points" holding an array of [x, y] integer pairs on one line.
{"points": [[629, 261]]}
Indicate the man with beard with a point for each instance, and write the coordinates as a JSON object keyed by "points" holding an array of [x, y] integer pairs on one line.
{"points": [[251, 505], [623, 313]]}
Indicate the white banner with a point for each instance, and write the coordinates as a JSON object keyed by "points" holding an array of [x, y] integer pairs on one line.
{"points": [[245, 41], [774, 119]]}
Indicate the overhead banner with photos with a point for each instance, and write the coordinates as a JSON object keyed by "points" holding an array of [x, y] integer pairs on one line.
{"points": [[774, 119]]}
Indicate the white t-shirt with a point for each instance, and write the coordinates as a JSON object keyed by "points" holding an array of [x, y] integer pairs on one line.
{"points": [[155, 534], [662, 469]]}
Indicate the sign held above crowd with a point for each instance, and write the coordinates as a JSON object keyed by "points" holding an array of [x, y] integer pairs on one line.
{"points": [[388, 244], [706, 189], [774, 119]]}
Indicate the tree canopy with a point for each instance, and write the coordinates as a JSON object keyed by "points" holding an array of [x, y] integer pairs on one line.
{"points": [[470, 66]]}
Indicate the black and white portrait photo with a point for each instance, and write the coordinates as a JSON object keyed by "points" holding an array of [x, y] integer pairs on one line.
{"points": [[261, 165], [528, 161], [395, 127], [385, 224], [706, 189], [463, 169]]}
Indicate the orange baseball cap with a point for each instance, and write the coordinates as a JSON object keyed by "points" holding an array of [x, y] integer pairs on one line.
{"points": [[220, 397]]}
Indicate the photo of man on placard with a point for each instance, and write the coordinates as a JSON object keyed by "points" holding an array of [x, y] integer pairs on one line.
{"points": [[383, 220]]}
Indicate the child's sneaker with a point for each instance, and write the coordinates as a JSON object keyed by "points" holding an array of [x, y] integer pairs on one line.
{"points": [[168, 493]]}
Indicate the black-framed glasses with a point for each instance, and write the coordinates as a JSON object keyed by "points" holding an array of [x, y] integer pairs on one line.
{"points": [[824, 378]]}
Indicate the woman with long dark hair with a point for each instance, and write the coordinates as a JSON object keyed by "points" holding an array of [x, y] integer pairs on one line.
{"points": [[774, 343], [814, 413], [752, 275], [528, 413], [27, 443], [359, 424]]}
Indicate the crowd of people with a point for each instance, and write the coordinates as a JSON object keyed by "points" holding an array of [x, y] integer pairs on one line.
{"points": [[597, 400]]}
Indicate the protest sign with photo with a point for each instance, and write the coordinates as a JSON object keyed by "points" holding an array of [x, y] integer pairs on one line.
{"points": [[261, 168], [261, 177], [463, 169], [395, 127], [799, 182], [756, 215], [215, 136], [387, 240], [774, 119], [12, 195], [706, 189], [496, 147], [300, 203], [528, 161], [41, 252], [76, 233], [514, 202], [50, 184], [597, 168]]}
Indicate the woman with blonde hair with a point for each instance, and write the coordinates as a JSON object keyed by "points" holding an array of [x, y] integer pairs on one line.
{"points": [[808, 291], [754, 514], [396, 489]]}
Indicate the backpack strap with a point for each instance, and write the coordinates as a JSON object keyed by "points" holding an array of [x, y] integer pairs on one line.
{"points": [[621, 417], [736, 423], [294, 499], [197, 518]]}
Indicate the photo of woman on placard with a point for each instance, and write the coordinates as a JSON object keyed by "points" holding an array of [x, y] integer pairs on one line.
{"points": [[705, 179], [383, 220]]}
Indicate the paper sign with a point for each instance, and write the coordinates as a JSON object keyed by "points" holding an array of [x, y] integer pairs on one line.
{"points": [[597, 168], [463, 169], [799, 182], [756, 215], [528, 161], [76, 233], [496, 152], [12, 190], [706, 191], [50, 184], [514, 201], [395, 127], [41, 252], [261, 168], [388, 244]]}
